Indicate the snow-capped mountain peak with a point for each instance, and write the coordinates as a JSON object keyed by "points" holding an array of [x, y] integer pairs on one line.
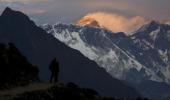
{"points": [[133, 58]]}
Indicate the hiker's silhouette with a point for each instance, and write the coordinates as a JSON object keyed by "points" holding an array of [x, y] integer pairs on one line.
{"points": [[54, 68]]}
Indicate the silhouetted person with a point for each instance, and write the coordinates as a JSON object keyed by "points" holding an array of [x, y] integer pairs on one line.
{"points": [[54, 68]]}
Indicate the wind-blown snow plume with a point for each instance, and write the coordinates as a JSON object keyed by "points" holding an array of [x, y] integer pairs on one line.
{"points": [[116, 22]]}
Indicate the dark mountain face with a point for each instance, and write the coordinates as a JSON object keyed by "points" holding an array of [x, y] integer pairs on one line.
{"points": [[40, 48]]}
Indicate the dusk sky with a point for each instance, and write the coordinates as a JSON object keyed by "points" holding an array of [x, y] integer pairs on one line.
{"points": [[69, 11]]}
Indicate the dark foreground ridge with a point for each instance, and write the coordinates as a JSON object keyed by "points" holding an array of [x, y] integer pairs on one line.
{"points": [[19, 81]]}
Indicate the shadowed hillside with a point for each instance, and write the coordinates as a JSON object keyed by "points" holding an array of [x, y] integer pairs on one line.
{"points": [[19, 81]]}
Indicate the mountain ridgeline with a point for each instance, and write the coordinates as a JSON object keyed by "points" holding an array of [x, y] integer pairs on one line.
{"points": [[40, 48], [142, 59], [146, 51]]}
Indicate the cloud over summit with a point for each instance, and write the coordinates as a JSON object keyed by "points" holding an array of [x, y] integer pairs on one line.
{"points": [[116, 22]]}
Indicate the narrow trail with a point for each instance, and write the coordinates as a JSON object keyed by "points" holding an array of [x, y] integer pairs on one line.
{"points": [[5, 94]]}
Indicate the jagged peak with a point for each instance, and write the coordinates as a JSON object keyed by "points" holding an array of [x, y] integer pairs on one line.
{"points": [[10, 12], [12, 16], [7, 11], [149, 27], [152, 26], [154, 23]]}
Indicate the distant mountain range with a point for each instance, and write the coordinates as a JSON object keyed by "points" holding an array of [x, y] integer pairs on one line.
{"points": [[40, 48], [141, 58], [145, 53]]}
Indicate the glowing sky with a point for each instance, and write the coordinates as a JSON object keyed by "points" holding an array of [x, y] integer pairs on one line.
{"points": [[69, 11]]}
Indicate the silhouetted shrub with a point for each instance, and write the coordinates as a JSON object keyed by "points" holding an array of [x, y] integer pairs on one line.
{"points": [[89, 93], [14, 68], [72, 85]]}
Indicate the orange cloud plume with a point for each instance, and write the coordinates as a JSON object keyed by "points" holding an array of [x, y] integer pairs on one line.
{"points": [[116, 22]]}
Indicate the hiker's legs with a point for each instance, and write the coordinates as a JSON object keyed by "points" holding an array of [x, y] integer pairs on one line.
{"points": [[51, 78], [56, 78]]}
